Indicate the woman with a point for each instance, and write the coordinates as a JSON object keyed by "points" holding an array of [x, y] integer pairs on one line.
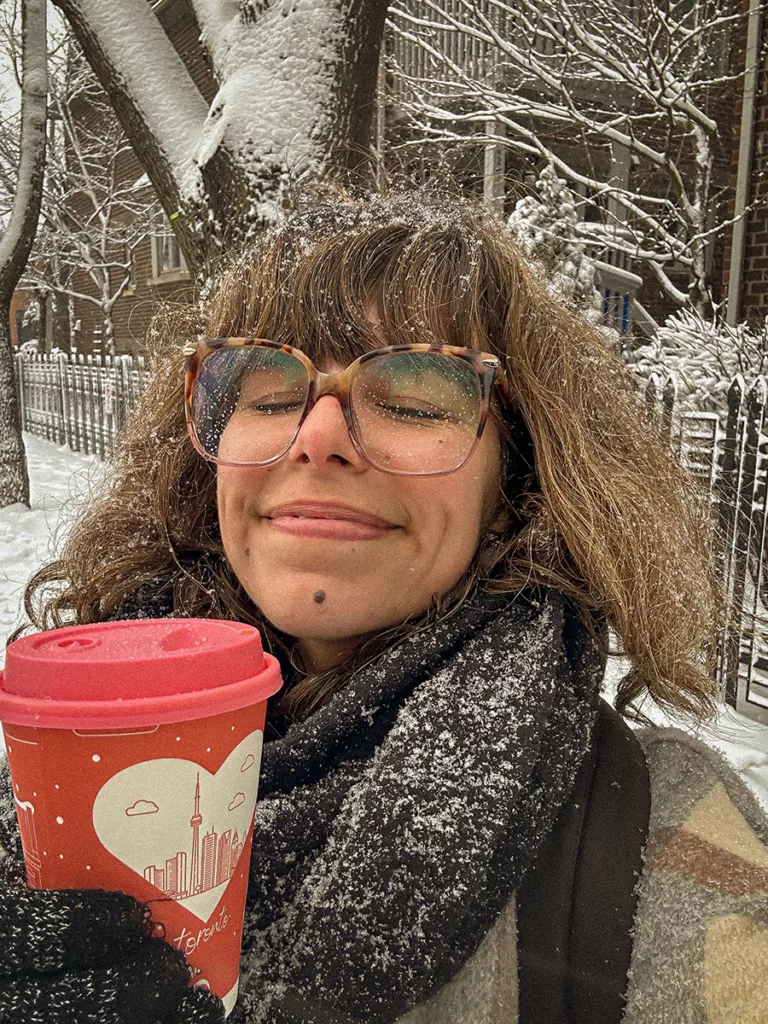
{"points": [[434, 540]]}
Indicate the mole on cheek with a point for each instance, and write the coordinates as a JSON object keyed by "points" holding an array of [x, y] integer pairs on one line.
{"points": [[319, 596], [247, 552]]}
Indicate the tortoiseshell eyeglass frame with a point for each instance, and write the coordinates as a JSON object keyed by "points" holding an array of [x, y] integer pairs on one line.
{"points": [[486, 365]]}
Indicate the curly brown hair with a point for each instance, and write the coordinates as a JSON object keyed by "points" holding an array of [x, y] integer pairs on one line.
{"points": [[596, 505]]}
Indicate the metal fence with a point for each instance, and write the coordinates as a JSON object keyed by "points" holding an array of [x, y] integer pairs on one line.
{"points": [[728, 451], [81, 402]]}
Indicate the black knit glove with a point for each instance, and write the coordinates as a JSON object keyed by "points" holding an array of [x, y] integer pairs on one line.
{"points": [[85, 956]]}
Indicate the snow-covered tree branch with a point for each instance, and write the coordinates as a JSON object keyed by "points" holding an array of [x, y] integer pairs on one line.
{"points": [[573, 85], [296, 96], [17, 239]]}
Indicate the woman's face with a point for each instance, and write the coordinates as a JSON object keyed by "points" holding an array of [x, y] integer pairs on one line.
{"points": [[317, 572]]}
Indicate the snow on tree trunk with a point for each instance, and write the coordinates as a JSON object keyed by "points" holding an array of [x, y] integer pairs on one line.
{"points": [[109, 333], [700, 292], [297, 90], [16, 243], [61, 333]]}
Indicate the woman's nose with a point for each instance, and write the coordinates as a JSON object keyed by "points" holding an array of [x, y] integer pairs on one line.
{"points": [[324, 436]]}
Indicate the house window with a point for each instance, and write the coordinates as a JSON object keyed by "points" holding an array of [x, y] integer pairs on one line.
{"points": [[166, 254]]}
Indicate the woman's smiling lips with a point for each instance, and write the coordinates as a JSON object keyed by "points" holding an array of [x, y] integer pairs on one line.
{"points": [[328, 521], [330, 529]]}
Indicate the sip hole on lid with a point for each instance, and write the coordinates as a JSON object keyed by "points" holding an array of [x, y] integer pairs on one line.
{"points": [[75, 642]]}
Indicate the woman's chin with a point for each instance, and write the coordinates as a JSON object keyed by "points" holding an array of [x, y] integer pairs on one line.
{"points": [[315, 622], [323, 608]]}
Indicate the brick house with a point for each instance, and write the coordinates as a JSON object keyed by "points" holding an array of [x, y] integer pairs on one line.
{"points": [[616, 273]]}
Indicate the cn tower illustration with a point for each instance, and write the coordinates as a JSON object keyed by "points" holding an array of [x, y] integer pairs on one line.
{"points": [[213, 859], [195, 821]]}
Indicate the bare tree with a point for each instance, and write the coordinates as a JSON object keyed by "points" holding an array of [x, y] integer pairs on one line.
{"points": [[16, 243], [625, 100], [296, 96], [95, 211]]}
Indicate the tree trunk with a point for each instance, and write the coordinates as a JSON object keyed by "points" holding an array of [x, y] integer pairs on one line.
{"points": [[284, 110], [62, 324], [41, 298], [132, 106], [699, 288], [109, 331], [16, 243]]}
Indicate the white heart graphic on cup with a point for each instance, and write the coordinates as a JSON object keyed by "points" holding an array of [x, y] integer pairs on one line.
{"points": [[180, 827]]}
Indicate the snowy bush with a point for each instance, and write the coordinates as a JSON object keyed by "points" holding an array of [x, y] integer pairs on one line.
{"points": [[31, 317], [546, 227], [704, 356]]}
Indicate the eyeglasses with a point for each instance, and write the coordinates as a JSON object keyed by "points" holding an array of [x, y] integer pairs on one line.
{"points": [[411, 410]]}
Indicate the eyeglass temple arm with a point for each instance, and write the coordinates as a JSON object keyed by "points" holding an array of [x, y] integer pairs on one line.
{"points": [[501, 387]]}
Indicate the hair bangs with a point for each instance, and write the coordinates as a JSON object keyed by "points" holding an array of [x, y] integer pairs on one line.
{"points": [[359, 289], [428, 294]]}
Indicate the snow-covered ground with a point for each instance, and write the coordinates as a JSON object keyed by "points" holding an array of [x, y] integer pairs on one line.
{"points": [[744, 742], [61, 480]]}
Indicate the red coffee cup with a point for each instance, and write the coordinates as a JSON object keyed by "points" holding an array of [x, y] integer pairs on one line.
{"points": [[134, 750]]}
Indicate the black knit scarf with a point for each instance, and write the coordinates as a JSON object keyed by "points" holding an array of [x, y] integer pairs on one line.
{"points": [[395, 824]]}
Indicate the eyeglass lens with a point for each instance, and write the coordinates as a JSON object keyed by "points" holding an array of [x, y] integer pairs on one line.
{"points": [[413, 412]]}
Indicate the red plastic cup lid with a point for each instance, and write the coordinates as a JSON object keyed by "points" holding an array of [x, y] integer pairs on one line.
{"points": [[173, 665]]}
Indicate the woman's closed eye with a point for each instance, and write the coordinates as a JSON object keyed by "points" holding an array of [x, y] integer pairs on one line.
{"points": [[269, 404], [413, 410], [270, 408]]}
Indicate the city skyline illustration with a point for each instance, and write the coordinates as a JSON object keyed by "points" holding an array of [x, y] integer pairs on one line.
{"points": [[212, 859]]}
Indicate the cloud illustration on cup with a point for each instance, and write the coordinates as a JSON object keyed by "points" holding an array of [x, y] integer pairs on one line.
{"points": [[236, 800], [142, 807], [249, 762]]}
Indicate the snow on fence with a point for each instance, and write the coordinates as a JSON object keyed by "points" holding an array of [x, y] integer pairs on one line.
{"points": [[81, 403], [728, 452]]}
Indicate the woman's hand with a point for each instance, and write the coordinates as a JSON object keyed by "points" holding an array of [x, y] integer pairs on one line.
{"points": [[85, 956]]}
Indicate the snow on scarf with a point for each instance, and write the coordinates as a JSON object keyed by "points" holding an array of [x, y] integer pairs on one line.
{"points": [[396, 822]]}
